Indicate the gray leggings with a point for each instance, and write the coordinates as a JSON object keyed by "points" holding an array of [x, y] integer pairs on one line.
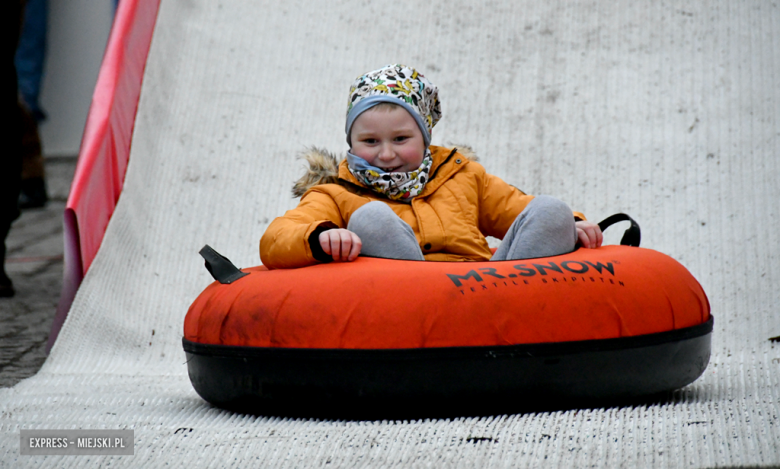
{"points": [[544, 228]]}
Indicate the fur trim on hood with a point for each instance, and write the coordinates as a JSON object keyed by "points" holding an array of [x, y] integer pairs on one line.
{"points": [[324, 168]]}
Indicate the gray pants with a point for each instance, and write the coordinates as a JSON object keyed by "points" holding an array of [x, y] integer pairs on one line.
{"points": [[544, 228]]}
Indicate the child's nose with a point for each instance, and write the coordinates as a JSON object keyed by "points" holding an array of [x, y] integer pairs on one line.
{"points": [[386, 152]]}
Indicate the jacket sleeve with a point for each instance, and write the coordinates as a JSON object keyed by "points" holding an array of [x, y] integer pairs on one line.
{"points": [[285, 244], [501, 203]]}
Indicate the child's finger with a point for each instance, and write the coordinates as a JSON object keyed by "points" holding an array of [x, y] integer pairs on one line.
{"points": [[357, 244], [593, 234], [583, 238], [335, 247], [345, 247], [325, 242], [592, 238]]}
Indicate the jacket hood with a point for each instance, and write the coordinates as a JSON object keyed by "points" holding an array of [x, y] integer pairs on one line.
{"points": [[323, 168]]}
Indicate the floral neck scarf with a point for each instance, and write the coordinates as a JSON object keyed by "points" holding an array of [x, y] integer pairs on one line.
{"points": [[395, 186]]}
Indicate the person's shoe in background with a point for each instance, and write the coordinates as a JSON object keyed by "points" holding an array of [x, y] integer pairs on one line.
{"points": [[33, 193]]}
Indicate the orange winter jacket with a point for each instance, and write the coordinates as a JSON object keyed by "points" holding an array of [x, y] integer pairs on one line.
{"points": [[459, 206]]}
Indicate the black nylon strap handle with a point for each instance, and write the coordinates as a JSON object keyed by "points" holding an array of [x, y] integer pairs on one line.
{"points": [[632, 236], [220, 266]]}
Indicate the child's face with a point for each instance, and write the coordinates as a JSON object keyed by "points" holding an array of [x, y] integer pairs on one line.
{"points": [[388, 139]]}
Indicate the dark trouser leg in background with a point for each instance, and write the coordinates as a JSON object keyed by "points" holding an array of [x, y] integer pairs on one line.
{"points": [[30, 57], [10, 133]]}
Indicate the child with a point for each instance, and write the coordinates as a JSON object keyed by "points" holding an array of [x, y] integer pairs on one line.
{"points": [[396, 196]]}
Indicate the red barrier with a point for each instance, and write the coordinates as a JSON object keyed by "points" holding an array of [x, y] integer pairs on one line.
{"points": [[105, 146]]}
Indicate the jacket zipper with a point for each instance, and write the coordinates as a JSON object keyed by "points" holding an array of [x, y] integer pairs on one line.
{"points": [[454, 150]]}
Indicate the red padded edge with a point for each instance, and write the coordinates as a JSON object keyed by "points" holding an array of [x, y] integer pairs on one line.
{"points": [[589, 294], [105, 146]]}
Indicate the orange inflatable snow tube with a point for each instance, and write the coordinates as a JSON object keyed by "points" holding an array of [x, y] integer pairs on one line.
{"points": [[614, 291], [613, 322]]}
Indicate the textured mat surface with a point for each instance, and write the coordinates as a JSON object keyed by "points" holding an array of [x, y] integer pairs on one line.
{"points": [[665, 110]]}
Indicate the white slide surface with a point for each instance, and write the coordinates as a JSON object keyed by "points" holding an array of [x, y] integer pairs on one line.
{"points": [[668, 111]]}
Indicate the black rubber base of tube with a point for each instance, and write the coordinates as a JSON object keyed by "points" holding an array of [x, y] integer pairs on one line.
{"points": [[411, 383]]}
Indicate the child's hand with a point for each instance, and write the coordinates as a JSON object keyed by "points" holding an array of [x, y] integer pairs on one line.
{"points": [[588, 234], [342, 244]]}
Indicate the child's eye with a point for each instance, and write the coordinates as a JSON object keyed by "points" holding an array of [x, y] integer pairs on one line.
{"points": [[369, 141], [401, 138]]}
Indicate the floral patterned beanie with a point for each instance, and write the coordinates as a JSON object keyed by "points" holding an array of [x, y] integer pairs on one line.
{"points": [[397, 84]]}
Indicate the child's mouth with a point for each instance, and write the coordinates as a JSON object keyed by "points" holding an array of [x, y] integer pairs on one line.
{"points": [[390, 170]]}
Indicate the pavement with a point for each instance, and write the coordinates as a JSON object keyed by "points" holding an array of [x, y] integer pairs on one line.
{"points": [[34, 262]]}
